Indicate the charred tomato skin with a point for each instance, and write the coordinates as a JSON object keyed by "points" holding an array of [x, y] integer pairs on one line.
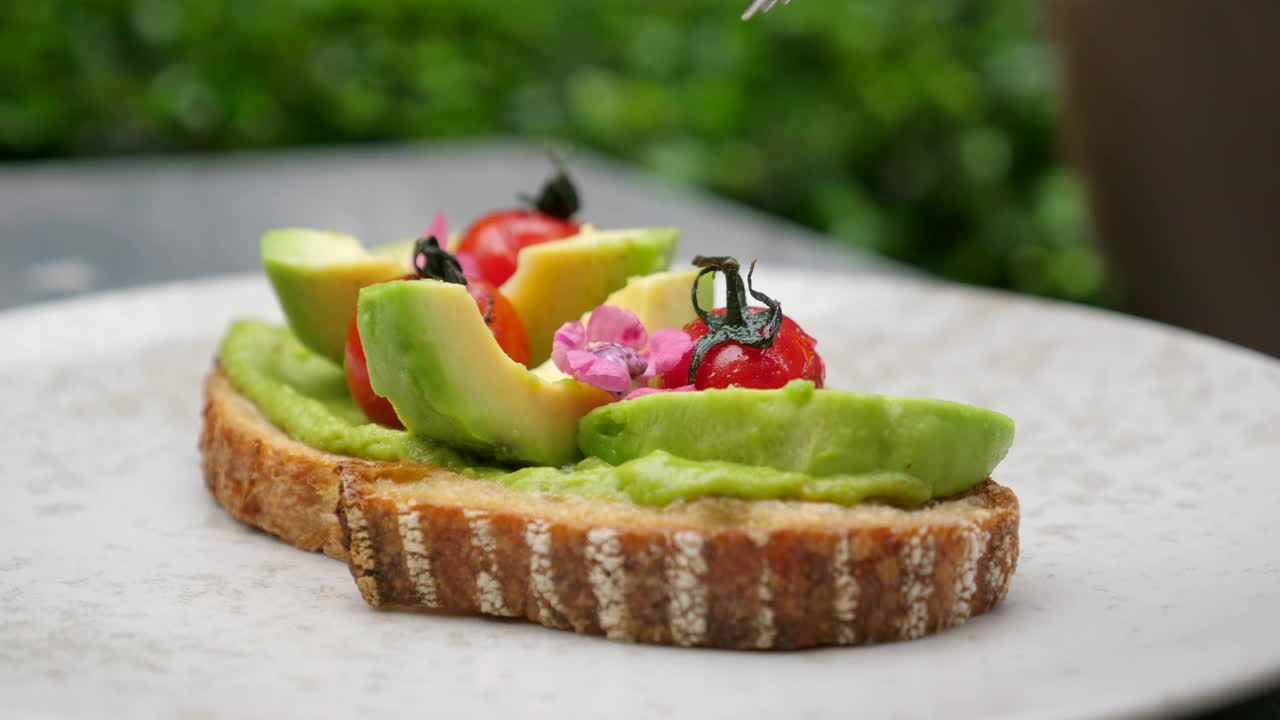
{"points": [[793, 356]]}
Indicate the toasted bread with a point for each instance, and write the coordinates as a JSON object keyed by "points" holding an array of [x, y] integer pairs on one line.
{"points": [[265, 478], [717, 572]]}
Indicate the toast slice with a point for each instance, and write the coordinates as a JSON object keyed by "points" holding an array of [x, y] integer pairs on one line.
{"points": [[718, 572], [265, 478]]}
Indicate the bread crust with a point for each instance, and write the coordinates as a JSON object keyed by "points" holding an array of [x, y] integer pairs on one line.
{"points": [[717, 572], [263, 477]]}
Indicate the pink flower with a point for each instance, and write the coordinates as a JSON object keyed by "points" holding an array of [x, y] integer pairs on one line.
{"points": [[470, 267], [614, 353], [440, 231]]}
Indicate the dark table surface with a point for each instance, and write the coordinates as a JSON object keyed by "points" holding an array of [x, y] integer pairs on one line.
{"points": [[68, 228]]}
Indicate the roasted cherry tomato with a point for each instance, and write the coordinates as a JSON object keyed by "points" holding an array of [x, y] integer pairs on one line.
{"points": [[750, 347], [492, 243], [500, 315], [793, 356], [495, 240], [375, 407]]}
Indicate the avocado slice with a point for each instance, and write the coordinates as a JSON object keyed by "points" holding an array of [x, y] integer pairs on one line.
{"points": [[400, 251], [435, 360], [317, 275], [662, 299], [558, 281], [430, 353], [949, 446]]}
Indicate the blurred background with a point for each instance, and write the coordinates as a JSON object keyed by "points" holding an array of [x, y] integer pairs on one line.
{"points": [[925, 131], [933, 133]]}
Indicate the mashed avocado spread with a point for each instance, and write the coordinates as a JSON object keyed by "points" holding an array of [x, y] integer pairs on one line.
{"points": [[306, 396]]}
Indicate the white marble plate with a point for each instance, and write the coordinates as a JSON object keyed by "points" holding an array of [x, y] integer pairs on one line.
{"points": [[1146, 460]]}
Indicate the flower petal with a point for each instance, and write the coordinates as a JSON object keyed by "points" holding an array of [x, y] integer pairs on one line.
{"points": [[570, 336], [641, 392], [667, 348], [610, 324], [593, 370], [439, 230], [470, 267]]}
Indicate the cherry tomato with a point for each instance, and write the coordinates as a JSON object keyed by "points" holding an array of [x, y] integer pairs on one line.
{"points": [[499, 314], [375, 407], [494, 241], [791, 357]]}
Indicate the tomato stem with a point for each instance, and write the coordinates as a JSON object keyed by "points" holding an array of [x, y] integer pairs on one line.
{"points": [[738, 324], [558, 196], [433, 262]]}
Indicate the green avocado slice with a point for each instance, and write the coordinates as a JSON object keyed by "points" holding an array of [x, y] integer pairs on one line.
{"points": [[431, 355], [558, 281], [317, 275], [949, 446]]}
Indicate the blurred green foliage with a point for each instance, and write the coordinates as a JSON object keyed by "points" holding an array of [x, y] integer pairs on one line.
{"points": [[921, 129]]}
